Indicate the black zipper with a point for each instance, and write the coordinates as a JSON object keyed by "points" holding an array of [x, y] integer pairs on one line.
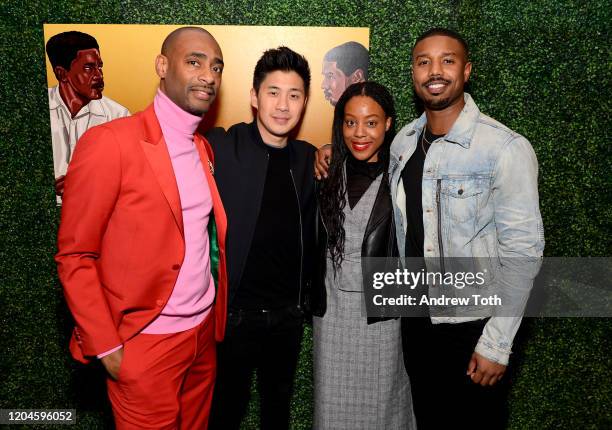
{"points": [[439, 208], [297, 197]]}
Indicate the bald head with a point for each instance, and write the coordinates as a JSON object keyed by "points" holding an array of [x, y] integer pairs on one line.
{"points": [[170, 41]]}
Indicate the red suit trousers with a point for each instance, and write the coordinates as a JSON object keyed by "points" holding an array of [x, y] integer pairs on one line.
{"points": [[166, 381]]}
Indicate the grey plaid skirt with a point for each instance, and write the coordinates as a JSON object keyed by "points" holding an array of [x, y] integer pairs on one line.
{"points": [[359, 376]]}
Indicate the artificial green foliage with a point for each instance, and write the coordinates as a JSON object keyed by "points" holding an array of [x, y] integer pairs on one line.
{"points": [[540, 67]]}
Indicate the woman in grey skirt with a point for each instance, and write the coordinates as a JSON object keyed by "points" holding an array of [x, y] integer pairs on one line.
{"points": [[359, 376]]}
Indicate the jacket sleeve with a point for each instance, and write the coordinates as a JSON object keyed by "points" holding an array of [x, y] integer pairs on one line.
{"points": [[520, 237], [91, 190]]}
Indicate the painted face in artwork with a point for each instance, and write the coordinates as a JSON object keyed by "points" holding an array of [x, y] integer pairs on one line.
{"points": [[85, 76], [334, 82], [364, 127]]}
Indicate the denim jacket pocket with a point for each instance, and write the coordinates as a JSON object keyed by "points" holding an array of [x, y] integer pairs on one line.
{"points": [[460, 198]]}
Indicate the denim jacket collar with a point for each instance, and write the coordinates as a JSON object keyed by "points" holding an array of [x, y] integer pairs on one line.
{"points": [[462, 130], [464, 127]]}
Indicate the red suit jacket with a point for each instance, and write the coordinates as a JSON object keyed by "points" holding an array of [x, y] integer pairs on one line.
{"points": [[120, 241]]}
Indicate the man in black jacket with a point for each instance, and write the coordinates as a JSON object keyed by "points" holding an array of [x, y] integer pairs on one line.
{"points": [[266, 184]]}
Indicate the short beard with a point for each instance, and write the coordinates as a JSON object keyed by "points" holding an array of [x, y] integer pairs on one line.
{"points": [[437, 104]]}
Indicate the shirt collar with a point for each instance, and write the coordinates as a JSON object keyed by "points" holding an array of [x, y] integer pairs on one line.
{"points": [[464, 127], [462, 130], [94, 107]]}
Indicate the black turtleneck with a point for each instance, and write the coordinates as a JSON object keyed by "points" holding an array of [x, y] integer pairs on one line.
{"points": [[360, 174]]}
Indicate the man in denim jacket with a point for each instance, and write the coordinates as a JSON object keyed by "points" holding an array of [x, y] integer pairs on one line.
{"points": [[463, 185]]}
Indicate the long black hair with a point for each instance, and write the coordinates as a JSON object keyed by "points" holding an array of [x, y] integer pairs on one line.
{"points": [[332, 195]]}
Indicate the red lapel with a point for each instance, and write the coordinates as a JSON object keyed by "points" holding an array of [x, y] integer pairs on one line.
{"points": [[156, 151]]}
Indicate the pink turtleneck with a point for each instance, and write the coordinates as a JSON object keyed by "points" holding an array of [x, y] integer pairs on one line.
{"points": [[194, 290]]}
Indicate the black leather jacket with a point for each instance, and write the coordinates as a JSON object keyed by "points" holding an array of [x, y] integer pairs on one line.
{"points": [[379, 240]]}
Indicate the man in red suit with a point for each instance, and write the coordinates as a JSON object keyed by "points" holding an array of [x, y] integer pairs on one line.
{"points": [[141, 246]]}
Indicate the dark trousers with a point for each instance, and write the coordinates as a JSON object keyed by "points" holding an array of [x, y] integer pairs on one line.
{"points": [[436, 357], [265, 341]]}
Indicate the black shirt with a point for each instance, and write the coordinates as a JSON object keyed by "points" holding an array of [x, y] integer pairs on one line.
{"points": [[271, 275], [412, 179]]}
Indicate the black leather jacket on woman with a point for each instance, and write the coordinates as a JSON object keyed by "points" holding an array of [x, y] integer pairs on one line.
{"points": [[378, 241]]}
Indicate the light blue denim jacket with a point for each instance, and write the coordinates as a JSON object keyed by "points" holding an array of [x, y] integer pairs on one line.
{"points": [[480, 199]]}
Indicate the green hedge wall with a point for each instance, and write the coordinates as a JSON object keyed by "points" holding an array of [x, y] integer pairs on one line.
{"points": [[541, 67]]}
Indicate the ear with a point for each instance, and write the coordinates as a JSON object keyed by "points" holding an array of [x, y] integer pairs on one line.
{"points": [[357, 76], [60, 73], [388, 123], [467, 71], [254, 98], [161, 65]]}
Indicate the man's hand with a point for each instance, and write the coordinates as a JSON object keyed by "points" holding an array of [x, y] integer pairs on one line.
{"points": [[322, 159], [112, 362], [59, 185], [483, 371]]}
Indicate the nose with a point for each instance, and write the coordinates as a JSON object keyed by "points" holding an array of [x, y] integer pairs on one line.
{"points": [[435, 69], [360, 130], [206, 75], [282, 102]]}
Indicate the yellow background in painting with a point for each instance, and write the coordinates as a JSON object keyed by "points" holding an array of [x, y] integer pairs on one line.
{"points": [[129, 51]]}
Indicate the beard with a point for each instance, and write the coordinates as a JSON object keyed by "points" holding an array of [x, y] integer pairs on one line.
{"points": [[438, 104]]}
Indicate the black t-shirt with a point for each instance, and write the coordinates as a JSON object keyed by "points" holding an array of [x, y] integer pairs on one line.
{"points": [[412, 179], [271, 275]]}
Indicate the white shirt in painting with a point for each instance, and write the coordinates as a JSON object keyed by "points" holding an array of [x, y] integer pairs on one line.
{"points": [[66, 131]]}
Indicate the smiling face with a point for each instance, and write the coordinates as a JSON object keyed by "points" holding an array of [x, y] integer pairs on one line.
{"points": [[191, 71], [85, 75], [279, 102], [364, 127], [439, 71], [334, 82]]}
